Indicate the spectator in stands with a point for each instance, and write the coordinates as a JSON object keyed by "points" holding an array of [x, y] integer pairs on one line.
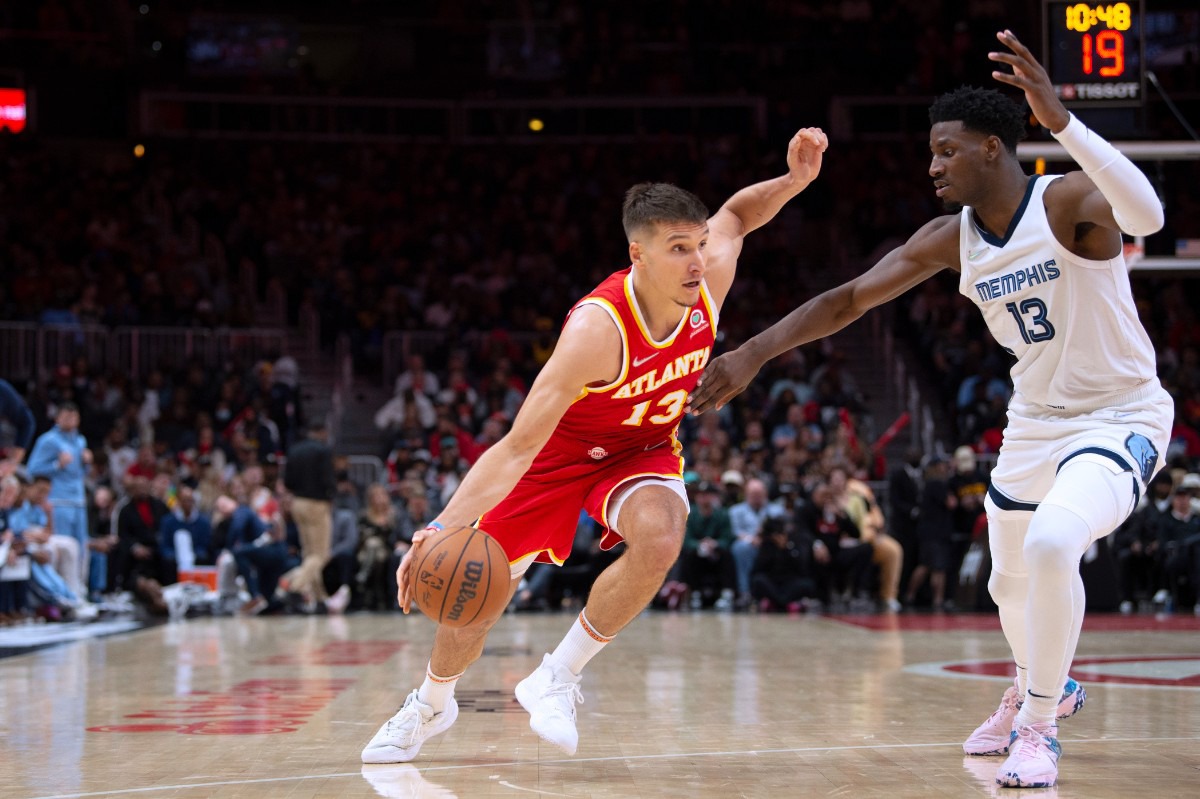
{"points": [[1178, 539], [746, 519], [904, 496], [969, 485], [121, 456], [185, 536], [309, 478], [782, 577], [406, 413], [1134, 543], [448, 470], [856, 498], [138, 557], [51, 556], [102, 540], [417, 378], [14, 561], [843, 559], [379, 533], [61, 454], [707, 567], [339, 573], [934, 530], [733, 485]]}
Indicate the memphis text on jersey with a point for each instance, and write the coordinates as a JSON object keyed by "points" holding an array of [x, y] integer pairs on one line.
{"points": [[1012, 282], [680, 367]]}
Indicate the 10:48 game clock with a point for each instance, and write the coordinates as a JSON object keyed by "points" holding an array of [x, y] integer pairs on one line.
{"points": [[1094, 52]]}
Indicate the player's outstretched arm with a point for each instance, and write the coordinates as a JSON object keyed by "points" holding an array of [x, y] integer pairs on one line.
{"points": [[756, 205], [587, 352], [1115, 194], [932, 248]]}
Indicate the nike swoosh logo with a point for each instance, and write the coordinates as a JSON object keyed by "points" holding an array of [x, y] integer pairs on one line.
{"points": [[973, 254], [639, 361], [649, 447]]}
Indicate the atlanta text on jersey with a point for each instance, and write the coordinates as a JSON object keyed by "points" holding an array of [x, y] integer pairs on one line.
{"points": [[683, 365]]}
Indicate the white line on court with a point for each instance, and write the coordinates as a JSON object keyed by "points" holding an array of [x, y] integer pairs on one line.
{"points": [[567, 760]]}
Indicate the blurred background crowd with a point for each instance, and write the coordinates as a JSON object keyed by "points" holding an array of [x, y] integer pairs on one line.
{"points": [[817, 488]]}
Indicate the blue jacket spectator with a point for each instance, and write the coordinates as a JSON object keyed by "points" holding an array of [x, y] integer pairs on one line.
{"points": [[186, 517], [61, 454]]}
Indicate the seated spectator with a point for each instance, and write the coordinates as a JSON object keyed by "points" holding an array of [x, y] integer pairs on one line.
{"points": [[138, 563], [264, 548], [843, 559], [935, 525], [34, 516], [707, 567], [31, 522], [783, 576], [407, 410], [1134, 544], [102, 539], [340, 571], [14, 560], [1178, 540], [185, 537], [378, 536], [418, 510], [856, 498], [746, 519]]}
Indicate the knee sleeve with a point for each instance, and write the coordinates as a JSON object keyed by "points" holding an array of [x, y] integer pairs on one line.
{"points": [[1009, 579], [1097, 490]]}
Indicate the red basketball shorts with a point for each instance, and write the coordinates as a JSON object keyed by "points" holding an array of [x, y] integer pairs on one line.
{"points": [[541, 513]]}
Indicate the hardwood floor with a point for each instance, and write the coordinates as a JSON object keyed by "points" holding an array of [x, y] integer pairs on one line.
{"points": [[680, 705]]}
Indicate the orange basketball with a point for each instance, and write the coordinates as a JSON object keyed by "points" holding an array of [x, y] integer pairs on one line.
{"points": [[462, 576]]}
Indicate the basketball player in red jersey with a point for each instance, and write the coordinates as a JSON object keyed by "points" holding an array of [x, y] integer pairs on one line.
{"points": [[598, 431]]}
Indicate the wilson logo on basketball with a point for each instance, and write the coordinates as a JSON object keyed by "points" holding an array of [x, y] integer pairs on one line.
{"points": [[598, 452], [467, 589]]}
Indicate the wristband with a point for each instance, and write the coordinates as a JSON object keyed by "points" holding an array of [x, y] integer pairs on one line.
{"points": [[435, 526]]}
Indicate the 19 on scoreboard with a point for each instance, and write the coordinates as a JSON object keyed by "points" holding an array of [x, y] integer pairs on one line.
{"points": [[1095, 52]]}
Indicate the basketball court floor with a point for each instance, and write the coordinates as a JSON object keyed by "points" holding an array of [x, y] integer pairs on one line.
{"points": [[681, 705]]}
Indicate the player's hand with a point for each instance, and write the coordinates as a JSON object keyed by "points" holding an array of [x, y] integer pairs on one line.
{"points": [[1029, 77], [405, 583], [805, 153], [722, 380]]}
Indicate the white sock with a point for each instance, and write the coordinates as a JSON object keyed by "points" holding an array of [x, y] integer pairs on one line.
{"points": [[581, 643], [436, 691], [1022, 680]]}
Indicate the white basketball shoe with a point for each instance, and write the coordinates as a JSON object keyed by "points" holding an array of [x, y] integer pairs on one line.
{"points": [[399, 740], [550, 695]]}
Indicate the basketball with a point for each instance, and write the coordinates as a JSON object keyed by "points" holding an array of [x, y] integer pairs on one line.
{"points": [[462, 576]]}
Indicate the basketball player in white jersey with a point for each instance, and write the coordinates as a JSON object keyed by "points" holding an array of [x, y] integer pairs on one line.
{"points": [[1088, 422]]}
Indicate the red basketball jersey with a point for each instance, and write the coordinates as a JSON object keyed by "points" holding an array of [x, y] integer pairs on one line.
{"points": [[642, 408], [611, 434]]}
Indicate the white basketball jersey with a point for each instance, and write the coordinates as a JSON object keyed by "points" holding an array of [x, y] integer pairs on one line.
{"points": [[1071, 323]]}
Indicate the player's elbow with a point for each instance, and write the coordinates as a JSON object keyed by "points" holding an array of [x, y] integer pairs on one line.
{"points": [[1142, 221]]}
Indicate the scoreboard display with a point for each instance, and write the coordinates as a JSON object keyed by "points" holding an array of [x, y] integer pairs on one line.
{"points": [[1095, 52]]}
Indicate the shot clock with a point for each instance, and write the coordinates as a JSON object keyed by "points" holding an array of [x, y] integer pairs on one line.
{"points": [[1095, 52]]}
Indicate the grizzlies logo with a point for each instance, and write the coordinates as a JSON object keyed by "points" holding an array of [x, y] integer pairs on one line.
{"points": [[1145, 455]]}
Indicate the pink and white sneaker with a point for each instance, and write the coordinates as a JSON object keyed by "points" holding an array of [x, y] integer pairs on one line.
{"points": [[993, 736], [1033, 757]]}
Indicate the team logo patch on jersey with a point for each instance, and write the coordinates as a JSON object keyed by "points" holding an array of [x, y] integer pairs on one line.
{"points": [[1144, 453], [697, 318], [599, 453]]}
